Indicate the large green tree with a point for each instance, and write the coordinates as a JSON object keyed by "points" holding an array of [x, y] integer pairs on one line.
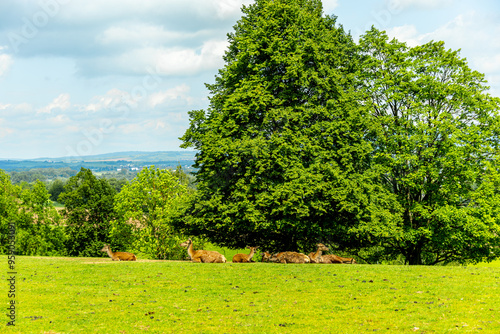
{"points": [[89, 210], [283, 155], [438, 143]]}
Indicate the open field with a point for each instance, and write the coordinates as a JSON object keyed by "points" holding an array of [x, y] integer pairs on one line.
{"points": [[97, 295]]}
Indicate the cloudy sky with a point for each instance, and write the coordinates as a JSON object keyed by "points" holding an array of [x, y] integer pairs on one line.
{"points": [[80, 77]]}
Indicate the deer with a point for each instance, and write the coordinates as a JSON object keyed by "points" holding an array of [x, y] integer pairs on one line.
{"points": [[290, 257], [348, 260], [245, 257], [331, 258], [202, 255], [266, 257], [118, 256], [316, 257]]}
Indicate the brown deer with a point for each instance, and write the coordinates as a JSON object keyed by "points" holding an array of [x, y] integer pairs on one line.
{"points": [[266, 257], [348, 260], [331, 258], [118, 256], [245, 257], [290, 257], [202, 255], [316, 257]]}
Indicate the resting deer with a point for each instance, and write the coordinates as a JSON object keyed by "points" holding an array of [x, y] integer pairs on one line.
{"points": [[245, 257], [316, 257], [290, 257], [347, 260], [266, 257], [202, 255], [118, 256], [331, 258]]}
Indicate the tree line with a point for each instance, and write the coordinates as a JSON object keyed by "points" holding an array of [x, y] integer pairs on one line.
{"points": [[135, 217], [373, 147]]}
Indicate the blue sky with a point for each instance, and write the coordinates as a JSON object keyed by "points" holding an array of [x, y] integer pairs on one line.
{"points": [[81, 77]]}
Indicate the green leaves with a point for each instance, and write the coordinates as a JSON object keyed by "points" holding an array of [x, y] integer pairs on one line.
{"points": [[438, 130], [89, 210], [146, 207], [378, 148], [281, 148]]}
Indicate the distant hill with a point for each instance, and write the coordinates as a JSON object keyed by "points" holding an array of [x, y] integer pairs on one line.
{"points": [[108, 161], [128, 156]]}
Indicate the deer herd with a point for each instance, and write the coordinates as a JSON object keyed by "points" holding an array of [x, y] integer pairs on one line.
{"points": [[216, 257], [282, 257]]}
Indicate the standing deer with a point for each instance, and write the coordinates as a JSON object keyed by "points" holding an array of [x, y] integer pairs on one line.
{"points": [[245, 257], [202, 255], [290, 257], [118, 256], [316, 257]]}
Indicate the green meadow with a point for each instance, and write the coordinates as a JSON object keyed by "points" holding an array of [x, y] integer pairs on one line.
{"points": [[97, 295]]}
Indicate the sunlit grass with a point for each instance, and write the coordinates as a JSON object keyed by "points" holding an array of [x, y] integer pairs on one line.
{"points": [[82, 295]]}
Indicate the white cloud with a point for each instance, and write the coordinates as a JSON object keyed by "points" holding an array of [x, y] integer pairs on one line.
{"points": [[111, 99], [470, 31], [176, 93], [5, 63], [61, 102], [329, 6], [425, 4], [137, 34], [190, 61], [407, 33], [229, 8]]}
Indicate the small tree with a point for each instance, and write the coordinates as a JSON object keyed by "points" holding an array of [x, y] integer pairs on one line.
{"points": [[145, 207], [89, 211], [55, 189]]}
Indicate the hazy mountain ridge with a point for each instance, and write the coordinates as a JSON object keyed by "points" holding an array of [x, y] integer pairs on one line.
{"points": [[107, 161]]}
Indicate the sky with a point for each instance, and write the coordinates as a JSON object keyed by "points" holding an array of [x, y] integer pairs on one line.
{"points": [[80, 77]]}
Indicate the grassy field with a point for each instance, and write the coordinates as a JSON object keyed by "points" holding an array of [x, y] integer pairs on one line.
{"points": [[83, 295]]}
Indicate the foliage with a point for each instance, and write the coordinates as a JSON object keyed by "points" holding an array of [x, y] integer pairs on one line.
{"points": [[41, 174], [8, 210], [40, 231], [438, 143], [89, 211], [56, 187], [71, 295], [283, 156], [117, 183], [37, 223], [145, 207]]}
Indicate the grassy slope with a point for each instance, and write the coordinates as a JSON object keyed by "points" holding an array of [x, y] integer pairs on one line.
{"points": [[68, 295]]}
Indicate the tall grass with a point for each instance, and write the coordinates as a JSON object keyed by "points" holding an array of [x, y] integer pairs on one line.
{"points": [[88, 295]]}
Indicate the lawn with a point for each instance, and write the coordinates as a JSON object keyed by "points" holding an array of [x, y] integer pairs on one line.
{"points": [[84, 295]]}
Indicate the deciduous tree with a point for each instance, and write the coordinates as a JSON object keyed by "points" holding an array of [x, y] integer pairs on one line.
{"points": [[438, 143], [89, 211], [283, 155], [145, 207]]}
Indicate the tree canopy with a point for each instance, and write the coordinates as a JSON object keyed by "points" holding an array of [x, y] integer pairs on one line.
{"points": [[89, 211], [438, 143], [146, 205], [283, 155], [378, 148]]}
